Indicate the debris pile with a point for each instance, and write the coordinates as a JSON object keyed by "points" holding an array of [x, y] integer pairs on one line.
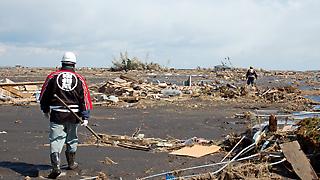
{"points": [[19, 93], [130, 90], [122, 89], [309, 137], [139, 142], [309, 129], [257, 153], [287, 93], [260, 152], [248, 171]]}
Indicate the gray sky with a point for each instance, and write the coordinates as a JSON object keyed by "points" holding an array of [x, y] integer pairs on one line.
{"points": [[269, 34]]}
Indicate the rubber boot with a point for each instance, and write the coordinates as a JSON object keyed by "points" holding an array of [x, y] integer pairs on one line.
{"points": [[70, 156], [55, 162]]}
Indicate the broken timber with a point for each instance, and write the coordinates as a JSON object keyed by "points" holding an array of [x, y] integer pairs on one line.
{"points": [[134, 146], [263, 115], [300, 163], [127, 78], [272, 123], [16, 92], [21, 83]]}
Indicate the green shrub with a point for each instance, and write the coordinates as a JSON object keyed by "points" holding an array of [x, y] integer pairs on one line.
{"points": [[124, 63]]}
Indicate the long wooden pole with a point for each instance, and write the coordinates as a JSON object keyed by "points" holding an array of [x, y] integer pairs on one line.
{"points": [[88, 127], [22, 83]]}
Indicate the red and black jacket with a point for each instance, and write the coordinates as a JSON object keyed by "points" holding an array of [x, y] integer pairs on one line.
{"points": [[72, 89]]}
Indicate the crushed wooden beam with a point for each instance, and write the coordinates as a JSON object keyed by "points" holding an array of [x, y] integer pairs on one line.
{"points": [[22, 83], [273, 125], [127, 78], [6, 93], [16, 92], [130, 99], [299, 161], [134, 146], [31, 88], [263, 115], [265, 92], [24, 100]]}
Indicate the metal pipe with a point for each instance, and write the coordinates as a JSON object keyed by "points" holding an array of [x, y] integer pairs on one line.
{"points": [[233, 148], [233, 159], [244, 158], [197, 167], [90, 178], [278, 162]]}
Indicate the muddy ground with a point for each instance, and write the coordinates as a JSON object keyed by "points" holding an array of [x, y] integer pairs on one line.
{"points": [[23, 150], [24, 138]]}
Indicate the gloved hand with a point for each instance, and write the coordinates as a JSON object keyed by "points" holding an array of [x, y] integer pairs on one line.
{"points": [[85, 123], [46, 115]]}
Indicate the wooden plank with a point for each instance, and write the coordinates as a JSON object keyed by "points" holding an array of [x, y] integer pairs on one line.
{"points": [[196, 150], [10, 82], [24, 100], [264, 115], [21, 83], [6, 93], [31, 88], [128, 78], [130, 99], [134, 146], [287, 128], [273, 125], [299, 161], [16, 92]]}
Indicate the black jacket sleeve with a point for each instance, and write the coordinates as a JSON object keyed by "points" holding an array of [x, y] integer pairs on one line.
{"points": [[46, 97]]}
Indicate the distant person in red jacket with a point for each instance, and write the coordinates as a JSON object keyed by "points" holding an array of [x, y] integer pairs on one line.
{"points": [[73, 90], [251, 76]]}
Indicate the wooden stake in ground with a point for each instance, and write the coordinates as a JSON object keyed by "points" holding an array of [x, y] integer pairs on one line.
{"points": [[273, 123], [299, 161]]}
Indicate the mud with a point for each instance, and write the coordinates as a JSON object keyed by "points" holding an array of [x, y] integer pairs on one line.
{"points": [[23, 152]]}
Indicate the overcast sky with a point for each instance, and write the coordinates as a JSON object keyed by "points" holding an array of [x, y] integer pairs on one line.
{"points": [[269, 34]]}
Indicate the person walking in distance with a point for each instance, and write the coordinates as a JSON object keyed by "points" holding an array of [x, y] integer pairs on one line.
{"points": [[251, 76], [73, 90]]}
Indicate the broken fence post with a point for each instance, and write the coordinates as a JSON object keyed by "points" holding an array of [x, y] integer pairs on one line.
{"points": [[187, 82], [273, 123]]}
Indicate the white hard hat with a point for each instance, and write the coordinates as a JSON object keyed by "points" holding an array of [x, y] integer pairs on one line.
{"points": [[69, 57]]}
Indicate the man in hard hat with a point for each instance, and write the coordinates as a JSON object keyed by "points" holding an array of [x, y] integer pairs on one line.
{"points": [[251, 76], [73, 90]]}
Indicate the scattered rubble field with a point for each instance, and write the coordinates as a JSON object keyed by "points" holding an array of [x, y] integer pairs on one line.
{"points": [[146, 118]]}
